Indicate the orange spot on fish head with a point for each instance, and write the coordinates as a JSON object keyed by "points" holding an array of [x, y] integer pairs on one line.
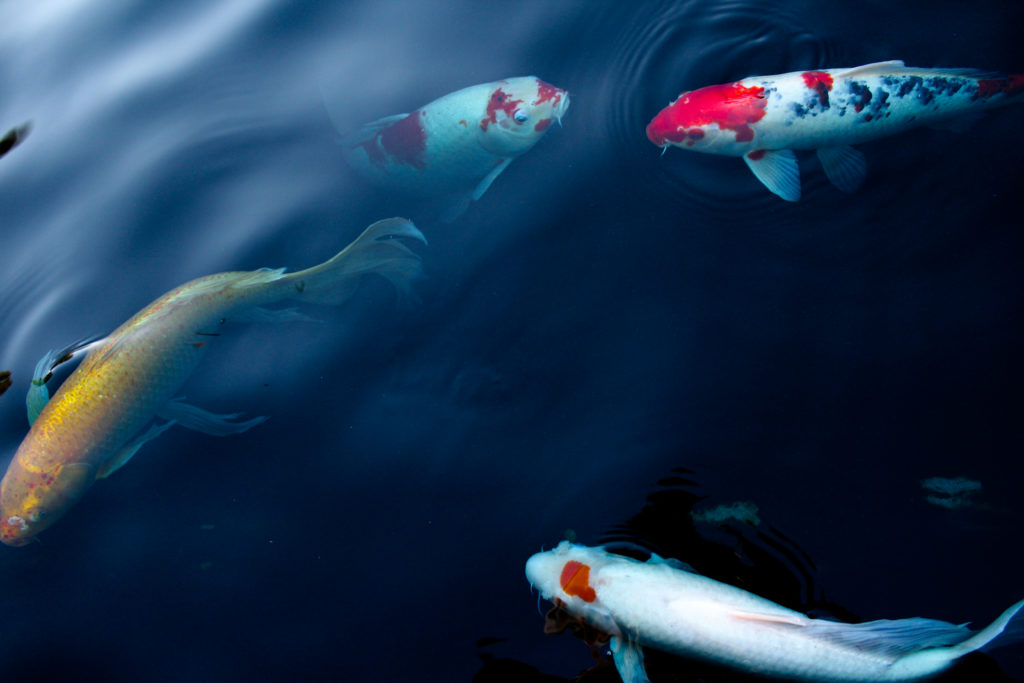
{"points": [[575, 581]]}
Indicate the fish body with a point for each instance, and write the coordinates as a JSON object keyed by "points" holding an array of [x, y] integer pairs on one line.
{"points": [[660, 605], [764, 118], [86, 430], [459, 143]]}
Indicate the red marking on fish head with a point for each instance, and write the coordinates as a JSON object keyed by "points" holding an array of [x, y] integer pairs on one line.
{"points": [[575, 581], [542, 125], [406, 140], [731, 107], [548, 93], [499, 101]]}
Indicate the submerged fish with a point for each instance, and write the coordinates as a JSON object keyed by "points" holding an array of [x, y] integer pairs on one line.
{"points": [[94, 423], [458, 144], [661, 605], [764, 118], [14, 137]]}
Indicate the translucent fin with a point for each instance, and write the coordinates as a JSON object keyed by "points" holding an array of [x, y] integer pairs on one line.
{"points": [[378, 250], [455, 206], [777, 170], [845, 166], [629, 660], [14, 137], [121, 458], [489, 178], [204, 421], [890, 638], [268, 315], [370, 130]]}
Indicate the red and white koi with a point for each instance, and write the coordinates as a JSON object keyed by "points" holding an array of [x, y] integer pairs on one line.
{"points": [[764, 118], [664, 606], [459, 143], [95, 422]]}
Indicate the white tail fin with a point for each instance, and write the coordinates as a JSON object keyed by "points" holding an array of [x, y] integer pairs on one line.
{"points": [[378, 250]]}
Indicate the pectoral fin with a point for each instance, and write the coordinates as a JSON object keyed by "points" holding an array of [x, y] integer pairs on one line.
{"points": [[788, 620], [121, 458], [204, 421], [629, 660], [489, 178], [777, 170], [844, 166]]}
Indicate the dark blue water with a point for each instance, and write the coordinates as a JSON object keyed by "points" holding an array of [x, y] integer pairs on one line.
{"points": [[602, 316]]}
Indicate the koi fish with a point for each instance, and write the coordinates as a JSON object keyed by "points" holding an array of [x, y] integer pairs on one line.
{"points": [[457, 144], [662, 605], [14, 137], [764, 118], [94, 423]]}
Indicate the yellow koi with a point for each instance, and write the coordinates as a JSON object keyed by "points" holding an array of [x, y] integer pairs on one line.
{"points": [[94, 423]]}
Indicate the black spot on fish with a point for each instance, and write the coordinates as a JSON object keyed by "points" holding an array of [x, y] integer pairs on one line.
{"points": [[300, 286], [908, 85], [799, 110], [860, 95]]}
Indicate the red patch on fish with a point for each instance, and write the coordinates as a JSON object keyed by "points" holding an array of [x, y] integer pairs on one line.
{"points": [[1009, 86], [730, 106], [500, 101], [757, 155], [406, 141], [575, 581], [547, 92], [820, 82], [542, 125]]}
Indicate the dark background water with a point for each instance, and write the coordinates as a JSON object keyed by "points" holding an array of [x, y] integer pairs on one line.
{"points": [[602, 316]]}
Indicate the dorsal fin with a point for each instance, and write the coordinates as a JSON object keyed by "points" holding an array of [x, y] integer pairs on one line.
{"points": [[870, 69]]}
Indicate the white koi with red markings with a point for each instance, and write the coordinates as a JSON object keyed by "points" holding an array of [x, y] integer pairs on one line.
{"points": [[457, 144], [764, 118], [661, 605]]}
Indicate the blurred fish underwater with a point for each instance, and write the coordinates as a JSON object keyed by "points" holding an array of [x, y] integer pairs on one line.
{"points": [[842, 373]]}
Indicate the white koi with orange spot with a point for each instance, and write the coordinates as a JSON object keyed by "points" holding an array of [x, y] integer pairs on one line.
{"points": [[661, 605], [457, 144], [764, 118]]}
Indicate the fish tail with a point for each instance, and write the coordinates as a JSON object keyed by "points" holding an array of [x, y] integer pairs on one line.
{"points": [[379, 249], [990, 632]]}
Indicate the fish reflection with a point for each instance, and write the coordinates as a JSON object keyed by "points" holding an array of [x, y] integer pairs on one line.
{"points": [[94, 423], [458, 144], [764, 118]]}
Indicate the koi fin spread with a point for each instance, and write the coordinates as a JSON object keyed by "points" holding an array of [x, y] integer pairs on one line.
{"points": [[844, 166], [121, 458], [777, 170], [629, 660], [200, 420]]}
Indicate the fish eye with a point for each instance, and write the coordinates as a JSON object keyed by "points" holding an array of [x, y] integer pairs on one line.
{"points": [[521, 116]]}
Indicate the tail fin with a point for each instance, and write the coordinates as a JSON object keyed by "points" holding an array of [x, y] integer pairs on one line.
{"points": [[990, 632], [378, 250]]}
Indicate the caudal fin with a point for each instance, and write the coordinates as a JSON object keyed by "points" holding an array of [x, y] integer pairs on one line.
{"points": [[378, 250]]}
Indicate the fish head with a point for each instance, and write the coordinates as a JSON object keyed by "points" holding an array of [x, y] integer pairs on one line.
{"points": [[568, 575], [31, 500], [518, 113], [718, 119]]}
